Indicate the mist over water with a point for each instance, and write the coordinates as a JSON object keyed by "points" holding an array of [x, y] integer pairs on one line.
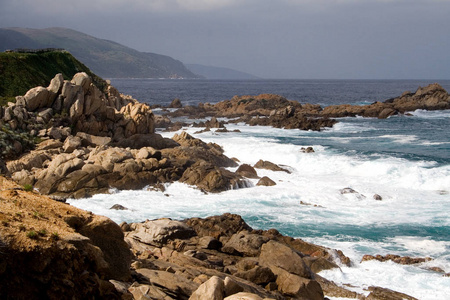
{"points": [[405, 160]]}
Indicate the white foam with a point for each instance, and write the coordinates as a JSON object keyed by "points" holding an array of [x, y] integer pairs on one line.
{"points": [[431, 114], [414, 193], [416, 282], [401, 139]]}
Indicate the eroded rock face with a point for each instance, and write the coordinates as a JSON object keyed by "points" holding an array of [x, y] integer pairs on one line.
{"points": [[270, 268], [51, 250]]}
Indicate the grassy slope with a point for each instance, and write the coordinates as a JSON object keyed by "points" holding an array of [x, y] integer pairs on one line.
{"points": [[20, 72]]}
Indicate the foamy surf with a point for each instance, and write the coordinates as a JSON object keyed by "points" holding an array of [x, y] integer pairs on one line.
{"points": [[411, 219]]}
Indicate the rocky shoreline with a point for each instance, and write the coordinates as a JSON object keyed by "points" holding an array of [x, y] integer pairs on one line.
{"points": [[279, 112], [51, 250], [89, 141]]}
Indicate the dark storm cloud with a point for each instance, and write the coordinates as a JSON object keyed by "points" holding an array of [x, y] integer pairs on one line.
{"points": [[272, 39]]}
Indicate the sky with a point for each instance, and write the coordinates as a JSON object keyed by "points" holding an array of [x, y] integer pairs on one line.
{"points": [[298, 39]]}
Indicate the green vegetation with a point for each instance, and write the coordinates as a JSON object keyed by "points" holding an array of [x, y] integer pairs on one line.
{"points": [[4, 100], [55, 236], [42, 232], [28, 187], [20, 72], [9, 137], [32, 234], [37, 215]]}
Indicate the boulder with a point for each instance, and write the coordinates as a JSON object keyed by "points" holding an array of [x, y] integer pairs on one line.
{"points": [[176, 103], [297, 286], [58, 133], [179, 286], [146, 291], [56, 84], [243, 296], [245, 244], [22, 177], [278, 256], [71, 143], [402, 260], [377, 197], [213, 289], [258, 275], [231, 286], [210, 178], [158, 232], [28, 161], [49, 144], [266, 181], [214, 123], [36, 98], [264, 164], [93, 140], [387, 112], [218, 226], [82, 79], [307, 150], [318, 264], [379, 293], [108, 236], [153, 140], [246, 170], [208, 242]]}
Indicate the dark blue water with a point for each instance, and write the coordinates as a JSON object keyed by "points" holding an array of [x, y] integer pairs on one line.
{"points": [[323, 92], [425, 136]]}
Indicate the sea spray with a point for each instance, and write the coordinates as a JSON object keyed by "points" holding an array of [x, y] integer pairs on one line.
{"points": [[309, 203]]}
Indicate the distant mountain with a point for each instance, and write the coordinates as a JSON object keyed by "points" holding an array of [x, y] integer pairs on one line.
{"points": [[210, 72], [105, 58]]}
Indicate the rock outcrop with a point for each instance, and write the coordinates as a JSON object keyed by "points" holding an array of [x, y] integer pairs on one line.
{"points": [[277, 111], [259, 264], [51, 250], [67, 107], [431, 97], [95, 141]]}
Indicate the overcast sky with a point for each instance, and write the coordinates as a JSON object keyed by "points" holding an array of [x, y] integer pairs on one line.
{"points": [[307, 39]]}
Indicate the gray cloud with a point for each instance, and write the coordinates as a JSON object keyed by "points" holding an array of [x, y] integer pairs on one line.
{"points": [[272, 39]]}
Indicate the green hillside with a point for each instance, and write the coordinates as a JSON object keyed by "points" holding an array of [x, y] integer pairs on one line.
{"points": [[20, 72], [105, 58]]}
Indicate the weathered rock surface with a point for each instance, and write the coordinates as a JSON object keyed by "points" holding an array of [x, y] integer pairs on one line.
{"points": [[50, 249], [86, 164], [266, 181], [403, 260], [432, 97], [277, 111]]}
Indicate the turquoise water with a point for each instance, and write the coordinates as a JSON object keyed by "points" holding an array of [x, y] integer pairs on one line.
{"points": [[406, 160]]}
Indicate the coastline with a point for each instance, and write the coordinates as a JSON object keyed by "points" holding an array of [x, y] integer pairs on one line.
{"points": [[157, 159]]}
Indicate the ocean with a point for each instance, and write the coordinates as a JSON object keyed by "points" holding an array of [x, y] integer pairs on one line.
{"points": [[404, 159]]}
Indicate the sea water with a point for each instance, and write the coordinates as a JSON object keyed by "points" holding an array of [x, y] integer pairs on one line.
{"points": [[404, 159]]}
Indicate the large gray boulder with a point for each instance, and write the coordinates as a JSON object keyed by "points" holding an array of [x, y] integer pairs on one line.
{"points": [[36, 98], [245, 243], [212, 289], [159, 232], [274, 254]]}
